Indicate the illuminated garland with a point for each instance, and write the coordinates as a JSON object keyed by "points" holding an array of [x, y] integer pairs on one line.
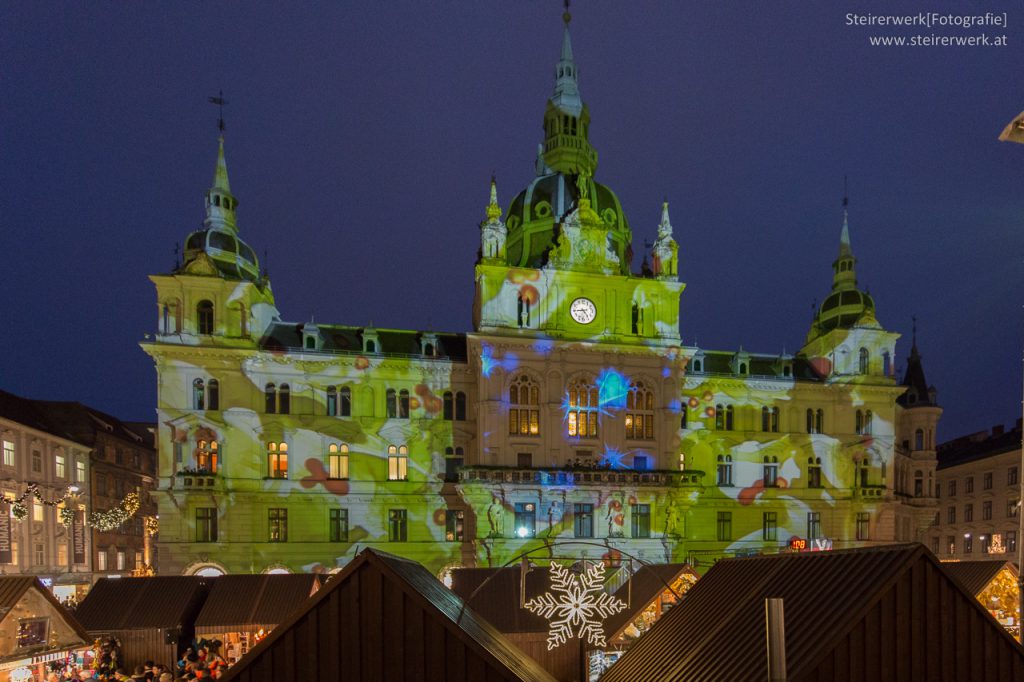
{"points": [[103, 521], [152, 525]]}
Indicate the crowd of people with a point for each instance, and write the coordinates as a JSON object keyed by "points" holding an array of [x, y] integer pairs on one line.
{"points": [[201, 661]]}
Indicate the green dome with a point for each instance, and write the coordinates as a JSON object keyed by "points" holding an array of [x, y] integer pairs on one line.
{"points": [[533, 214], [233, 258], [843, 309]]}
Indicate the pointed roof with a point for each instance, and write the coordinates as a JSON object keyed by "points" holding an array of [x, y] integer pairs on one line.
{"points": [[918, 393], [384, 617], [567, 91], [887, 612], [263, 599], [12, 591], [976, 575], [220, 174], [665, 226], [164, 601]]}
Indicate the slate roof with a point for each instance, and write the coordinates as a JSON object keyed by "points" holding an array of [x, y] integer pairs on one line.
{"points": [[917, 385], [287, 336], [976, 575], [871, 613], [977, 446], [135, 603], [384, 617], [28, 413], [82, 422], [719, 362], [260, 599]]}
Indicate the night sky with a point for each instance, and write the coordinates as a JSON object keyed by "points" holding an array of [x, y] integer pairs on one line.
{"points": [[361, 139]]}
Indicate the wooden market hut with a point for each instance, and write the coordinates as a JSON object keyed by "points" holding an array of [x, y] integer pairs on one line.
{"points": [[385, 618], [240, 609], [34, 628], [152, 617], [993, 584], [870, 614]]}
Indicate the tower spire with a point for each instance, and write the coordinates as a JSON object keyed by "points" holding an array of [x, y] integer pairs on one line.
{"points": [[844, 275], [220, 202]]}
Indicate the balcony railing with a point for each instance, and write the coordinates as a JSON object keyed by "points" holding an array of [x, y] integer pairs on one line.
{"points": [[196, 479], [556, 477], [870, 491]]}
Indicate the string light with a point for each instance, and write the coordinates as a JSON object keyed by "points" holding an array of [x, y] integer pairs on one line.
{"points": [[103, 521]]}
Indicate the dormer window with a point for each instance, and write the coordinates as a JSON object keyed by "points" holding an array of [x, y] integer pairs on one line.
{"points": [[370, 342], [428, 345]]}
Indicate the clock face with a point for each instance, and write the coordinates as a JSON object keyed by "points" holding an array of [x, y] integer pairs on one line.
{"points": [[583, 310]]}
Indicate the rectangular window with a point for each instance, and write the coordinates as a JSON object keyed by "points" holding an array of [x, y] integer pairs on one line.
{"points": [[986, 481], [454, 525], [583, 520], [952, 488], [814, 475], [640, 463], [277, 521], [1011, 541], [641, 520], [345, 396], [951, 545], [968, 512], [62, 554], [277, 460], [79, 471], [338, 525], [724, 529], [864, 528], [398, 467], [206, 524], [120, 560], [38, 511], [1011, 476], [770, 526], [813, 525], [986, 510], [524, 460], [39, 554], [526, 519], [969, 484], [8, 453], [138, 559], [935, 546], [59, 466], [37, 462], [725, 470], [986, 544], [337, 462], [968, 543], [770, 474], [951, 514], [397, 525], [101, 560], [1011, 508]]}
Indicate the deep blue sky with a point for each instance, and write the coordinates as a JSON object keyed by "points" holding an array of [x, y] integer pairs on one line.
{"points": [[361, 138]]}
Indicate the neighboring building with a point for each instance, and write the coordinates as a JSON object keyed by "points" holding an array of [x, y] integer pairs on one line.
{"points": [[979, 496], [35, 630], [35, 450], [573, 411], [879, 613], [123, 461]]}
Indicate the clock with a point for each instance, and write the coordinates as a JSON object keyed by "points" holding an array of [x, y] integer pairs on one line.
{"points": [[583, 310]]}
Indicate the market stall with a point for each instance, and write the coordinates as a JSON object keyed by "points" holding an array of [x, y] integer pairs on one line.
{"points": [[37, 634]]}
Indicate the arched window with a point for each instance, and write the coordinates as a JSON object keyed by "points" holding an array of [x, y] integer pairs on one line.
{"points": [[277, 460], [523, 407], [449, 406], [337, 461], [720, 417], [332, 401], [204, 317], [819, 421], [867, 422], [640, 412], [310, 342], [886, 364], [345, 401], [391, 397], [213, 395], [398, 463], [775, 420], [206, 456], [284, 400], [371, 346], [810, 420], [771, 471], [403, 404], [583, 410], [918, 484], [460, 407], [743, 368], [730, 412], [858, 426], [919, 440], [863, 360], [725, 470], [198, 395], [698, 366], [270, 399], [428, 349], [814, 472]]}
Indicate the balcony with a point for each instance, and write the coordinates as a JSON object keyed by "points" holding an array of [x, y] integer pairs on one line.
{"points": [[870, 491], [578, 477], [192, 479]]}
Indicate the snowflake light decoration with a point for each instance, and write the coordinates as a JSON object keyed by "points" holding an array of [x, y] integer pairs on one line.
{"points": [[577, 607]]}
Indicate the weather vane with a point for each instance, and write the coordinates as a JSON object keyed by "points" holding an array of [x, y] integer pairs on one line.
{"points": [[220, 102]]}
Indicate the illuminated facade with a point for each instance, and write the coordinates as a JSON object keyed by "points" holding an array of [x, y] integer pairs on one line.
{"points": [[572, 412]]}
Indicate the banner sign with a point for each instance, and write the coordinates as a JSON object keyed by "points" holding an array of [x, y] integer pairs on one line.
{"points": [[6, 555], [78, 538]]}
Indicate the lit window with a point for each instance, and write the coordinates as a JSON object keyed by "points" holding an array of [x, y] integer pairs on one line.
{"points": [[79, 471], [59, 466], [101, 560], [968, 543], [120, 560], [454, 525], [526, 519], [38, 511], [338, 525], [398, 463], [206, 456], [583, 410], [583, 520], [397, 525], [640, 520], [277, 460], [337, 461], [524, 407], [8, 453], [277, 524], [639, 412]]}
